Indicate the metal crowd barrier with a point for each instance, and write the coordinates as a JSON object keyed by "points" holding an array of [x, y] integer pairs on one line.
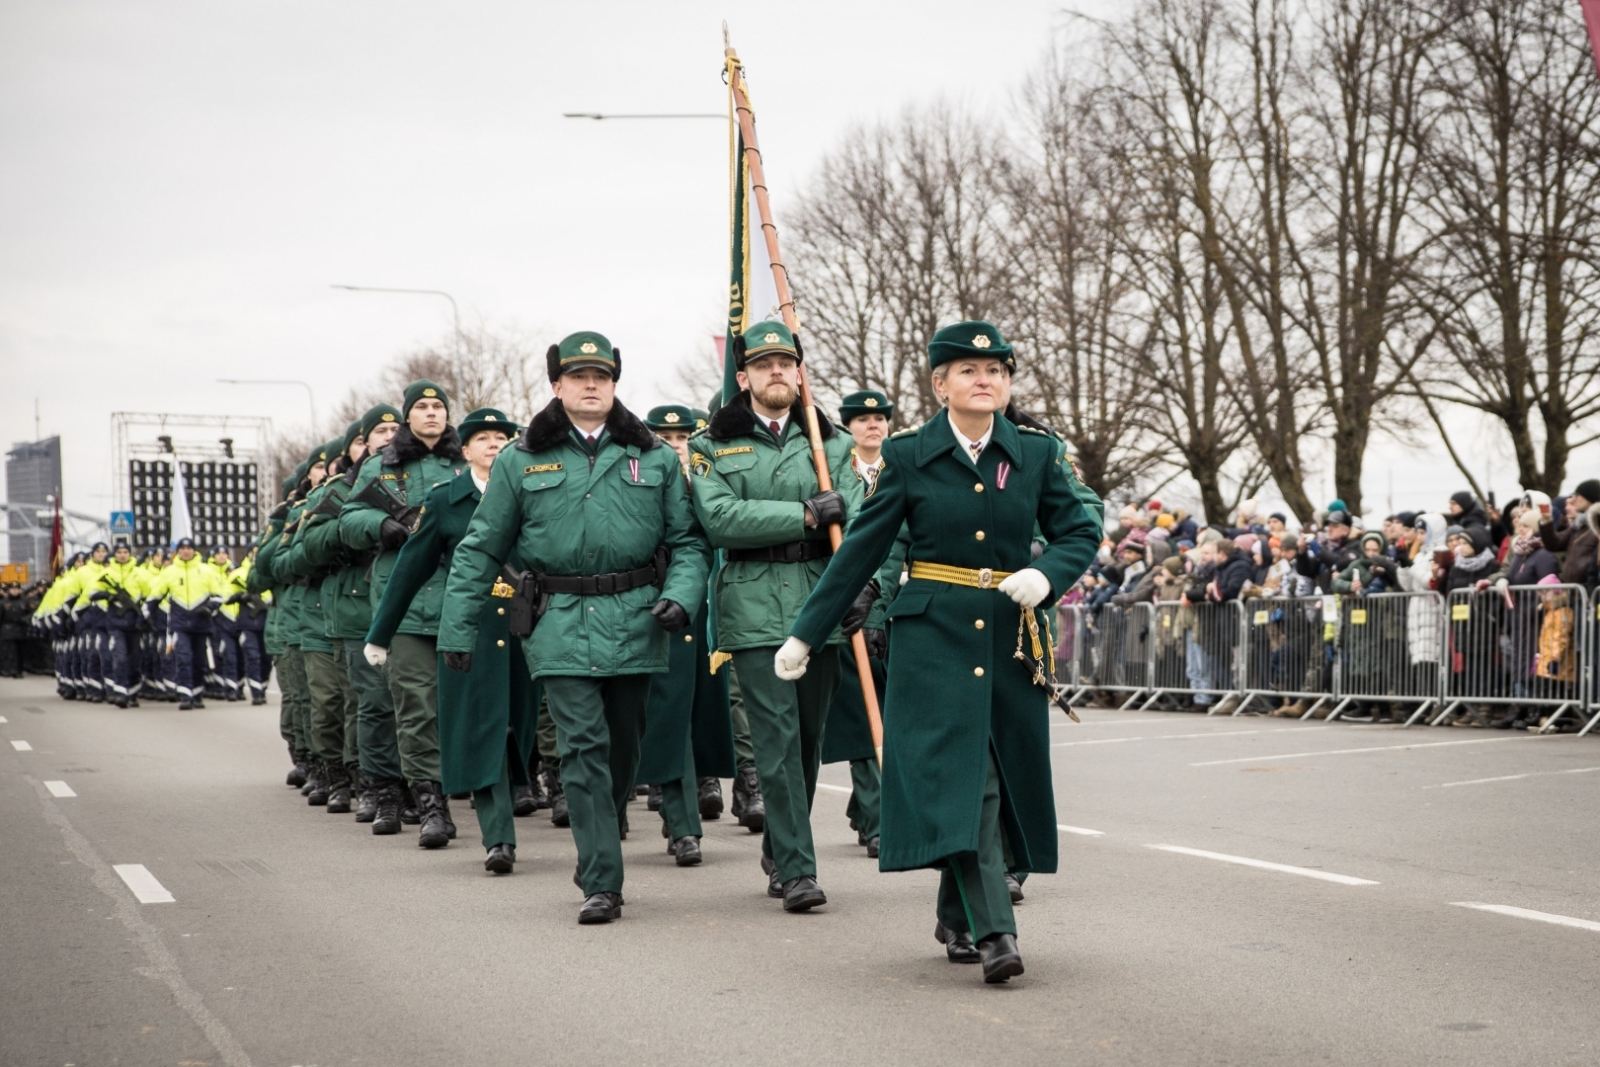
{"points": [[1390, 650], [1113, 650], [1287, 652], [1525, 645]]}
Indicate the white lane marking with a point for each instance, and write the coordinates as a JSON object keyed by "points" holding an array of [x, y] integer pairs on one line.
{"points": [[1512, 777], [144, 885], [1352, 751], [60, 789], [1158, 737], [1282, 868], [835, 788], [1524, 913], [1064, 828], [22, 746], [1112, 722]]}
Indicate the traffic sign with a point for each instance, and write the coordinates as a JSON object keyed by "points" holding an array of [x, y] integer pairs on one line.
{"points": [[122, 524]]}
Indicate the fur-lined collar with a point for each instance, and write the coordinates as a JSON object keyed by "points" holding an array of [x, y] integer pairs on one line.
{"points": [[552, 426], [1022, 418], [737, 418], [406, 447]]}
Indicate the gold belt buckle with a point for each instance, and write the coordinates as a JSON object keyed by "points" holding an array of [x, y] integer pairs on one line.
{"points": [[985, 577]]}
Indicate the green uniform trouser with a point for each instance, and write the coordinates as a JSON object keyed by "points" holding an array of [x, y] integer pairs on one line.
{"points": [[327, 684], [294, 717], [786, 724], [972, 889], [496, 824], [599, 723], [680, 800], [352, 702], [865, 796], [376, 744], [414, 683], [744, 754]]}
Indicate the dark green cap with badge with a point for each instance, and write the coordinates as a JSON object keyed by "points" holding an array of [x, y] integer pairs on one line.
{"points": [[969, 340], [866, 402], [377, 415], [351, 432], [764, 339], [671, 417], [702, 417], [583, 349], [486, 419], [422, 389], [301, 471]]}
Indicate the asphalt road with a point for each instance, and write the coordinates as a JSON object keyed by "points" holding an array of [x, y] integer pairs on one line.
{"points": [[295, 937]]}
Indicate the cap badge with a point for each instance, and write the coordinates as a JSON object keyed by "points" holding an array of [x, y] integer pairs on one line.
{"points": [[980, 341], [672, 416], [870, 402], [770, 339], [490, 418], [588, 348], [387, 417], [430, 392]]}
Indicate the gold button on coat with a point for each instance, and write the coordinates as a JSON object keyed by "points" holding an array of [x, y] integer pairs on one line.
{"points": [[688, 637], [502, 644], [978, 624], [979, 535], [978, 488], [978, 671], [499, 611]]}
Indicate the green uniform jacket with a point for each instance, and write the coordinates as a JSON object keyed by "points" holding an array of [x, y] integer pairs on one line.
{"points": [[412, 471], [475, 709], [560, 514], [261, 583], [346, 587], [955, 692], [748, 493], [311, 569], [287, 593]]}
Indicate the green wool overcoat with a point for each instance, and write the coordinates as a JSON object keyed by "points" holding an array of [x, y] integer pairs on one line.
{"points": [[477, 708], [412, 470], [955, 692], [564, 512], [748, 492]]}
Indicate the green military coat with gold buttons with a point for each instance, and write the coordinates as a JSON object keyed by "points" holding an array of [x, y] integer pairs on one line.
{"points": [[955, 692]]}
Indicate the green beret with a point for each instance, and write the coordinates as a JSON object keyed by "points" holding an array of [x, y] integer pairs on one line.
{"points": [[763, 339], [701, 418], [671, 417], [583, 349], [866, 402], [419, 389], [969, 340], [376, 416], [351, 432], [486, 419]]}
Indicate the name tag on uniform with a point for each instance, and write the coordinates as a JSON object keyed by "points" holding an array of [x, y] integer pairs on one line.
{"points": [[539, 468], [733, 451], [389, 477]]}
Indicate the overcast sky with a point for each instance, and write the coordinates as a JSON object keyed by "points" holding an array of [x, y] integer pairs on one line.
{"points": [[180, 183]]}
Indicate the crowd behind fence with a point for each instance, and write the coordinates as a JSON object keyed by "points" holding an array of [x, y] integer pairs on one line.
{"points": [[1407, 657]]}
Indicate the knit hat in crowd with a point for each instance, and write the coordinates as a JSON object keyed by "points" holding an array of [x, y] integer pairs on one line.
{"points": [[1589, 489], [1338, 516], [1165, 521], [1549, 579]]}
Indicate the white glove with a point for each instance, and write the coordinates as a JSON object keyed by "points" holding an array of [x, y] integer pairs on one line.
{"points": [[1027, 587], [376, 655], [791, 660]]}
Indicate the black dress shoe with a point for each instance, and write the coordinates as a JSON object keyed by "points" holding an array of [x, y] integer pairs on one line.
{"points": [[622, 824], [687, 849], [774, 883], [600, 908], [872, 847], [500, 859], [1014, 887], [803, 894], [653, 797], [710, 790], [1001, 960], [861, 835], [958, 946]]}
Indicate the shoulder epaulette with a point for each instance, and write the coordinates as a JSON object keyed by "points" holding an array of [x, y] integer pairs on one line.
{"points": [[905, 433], [1035, 429]]}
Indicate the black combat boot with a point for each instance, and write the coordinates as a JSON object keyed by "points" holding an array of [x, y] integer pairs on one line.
{"points": [[430, 804], [747, 802], [652, 800], [310, 764], [297, 773], [410, 814], [541, 799], [522, 802], [386, 806], [444, 809], [366, 797], [338, 789], [317, 794], [710, 798], [558, 798]]}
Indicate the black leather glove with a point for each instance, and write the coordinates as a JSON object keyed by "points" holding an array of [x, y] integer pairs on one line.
{"points": [[459, 661], [860, 608], [670, 616], [392, 534], [877, 643], [827, 508]]}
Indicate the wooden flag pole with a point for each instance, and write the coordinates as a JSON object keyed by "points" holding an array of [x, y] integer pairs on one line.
{"points": [[780, 278]]}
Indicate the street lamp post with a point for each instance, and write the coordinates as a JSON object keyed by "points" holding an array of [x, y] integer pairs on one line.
{"points": [[311, 397], [455, 313]]}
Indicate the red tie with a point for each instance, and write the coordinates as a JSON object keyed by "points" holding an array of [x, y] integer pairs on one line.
{"points": [[774, 426]]}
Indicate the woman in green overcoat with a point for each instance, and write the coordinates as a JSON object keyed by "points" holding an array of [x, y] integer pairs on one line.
{"points": [[486, 718], [966, 760]]}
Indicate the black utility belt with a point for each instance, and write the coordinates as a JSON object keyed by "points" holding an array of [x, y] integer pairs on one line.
{"points": [[792, 552], [599, 584]]}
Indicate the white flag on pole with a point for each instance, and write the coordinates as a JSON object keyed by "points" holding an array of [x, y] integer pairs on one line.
{"points": [[182, 524]]}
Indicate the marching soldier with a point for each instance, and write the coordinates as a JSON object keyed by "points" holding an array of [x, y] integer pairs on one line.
{"points": [[966, 765], [264, 584], [189, 586], [378, 516], [117, 592], [250, 623], [757, 497], [591, 503], [225, 630], [688, 736], [288, 597], [486, 717]]}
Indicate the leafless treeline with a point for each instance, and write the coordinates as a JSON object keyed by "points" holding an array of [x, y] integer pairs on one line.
{"points": [[1232, 236]]}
